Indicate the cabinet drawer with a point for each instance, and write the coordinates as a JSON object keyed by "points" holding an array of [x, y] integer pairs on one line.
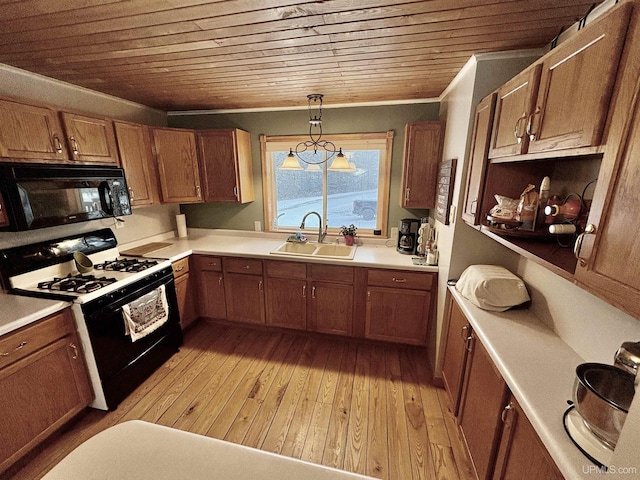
{"points": [[293, 270], [331, 273], [25, 341], [207, 262], [400, 278], [180, 267], [243, 265]]}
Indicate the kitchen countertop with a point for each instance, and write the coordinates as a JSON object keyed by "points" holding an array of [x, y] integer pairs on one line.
{"points": [[17, 311], [539, 369], [373, 253]]}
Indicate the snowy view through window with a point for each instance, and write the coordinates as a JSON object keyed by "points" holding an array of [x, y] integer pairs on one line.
{"points": [[352, 196]]}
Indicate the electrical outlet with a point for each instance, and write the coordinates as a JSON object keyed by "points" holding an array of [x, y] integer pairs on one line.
{"points": [[394, 232], [257, 226], [452, 214]]}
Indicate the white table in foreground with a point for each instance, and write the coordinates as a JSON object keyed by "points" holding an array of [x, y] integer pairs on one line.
{"points": [[138, 450]]}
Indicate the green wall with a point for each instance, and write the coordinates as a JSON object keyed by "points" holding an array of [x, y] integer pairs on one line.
{"points": [[295, 122]]}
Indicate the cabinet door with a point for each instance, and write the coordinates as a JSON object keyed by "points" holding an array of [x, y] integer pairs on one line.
{"points": [[455, 355], [211, 298], [422, 153], [521, 453], [286, 303], [225, 156], [576, 85], [514, 104], [184, 293], [136, 157], [397, 315], [38, 394], [178, 165], [478, 161], [331, 308], [30, 132], [607, 254], [482, 403], [245, 298], [91, 140]]}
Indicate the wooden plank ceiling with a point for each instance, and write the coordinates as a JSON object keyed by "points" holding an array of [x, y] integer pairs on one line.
{"points": [[225, 54]]}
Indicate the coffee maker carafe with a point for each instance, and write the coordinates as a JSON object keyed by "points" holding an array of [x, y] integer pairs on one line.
{"points": [[408, 236]]}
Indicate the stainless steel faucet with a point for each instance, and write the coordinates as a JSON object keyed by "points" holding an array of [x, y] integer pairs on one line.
{"points": [[322, 232]]}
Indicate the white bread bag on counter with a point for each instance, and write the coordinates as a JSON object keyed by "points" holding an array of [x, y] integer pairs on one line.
{"points": [[492, 287]]}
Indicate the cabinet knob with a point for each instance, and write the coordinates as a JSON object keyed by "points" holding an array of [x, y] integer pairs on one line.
{"points": [[505, 412], [220, 280], [589, 230], [75, 350], [57, 144], [313, 292], [399, 280], [198, 191], [19, 347], [235, 191], [74, 145], [260, 285], [180, 268], [407, 193], [516, 128], [304, 291], [530, 132]]}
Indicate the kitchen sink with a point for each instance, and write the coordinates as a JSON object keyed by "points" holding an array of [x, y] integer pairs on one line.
{"points": [[317, 250]]}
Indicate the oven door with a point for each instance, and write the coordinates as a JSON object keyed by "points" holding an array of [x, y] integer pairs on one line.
{"points": [[123, 364]]}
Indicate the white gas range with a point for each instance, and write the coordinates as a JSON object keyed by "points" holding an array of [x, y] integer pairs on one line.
{"points": [[118, 360]]}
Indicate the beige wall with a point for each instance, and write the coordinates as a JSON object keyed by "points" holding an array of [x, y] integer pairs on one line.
{"points": [[335, 120], [30, 87]]}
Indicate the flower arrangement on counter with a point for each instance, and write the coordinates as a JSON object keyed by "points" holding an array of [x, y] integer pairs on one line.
{"points": [[349, 233]]}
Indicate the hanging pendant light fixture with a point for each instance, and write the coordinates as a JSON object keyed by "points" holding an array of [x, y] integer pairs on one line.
{"points": [[315, 143]]}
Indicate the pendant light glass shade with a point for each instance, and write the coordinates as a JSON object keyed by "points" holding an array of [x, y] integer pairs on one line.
{"points": [[291, 163], [313, 167], [341, 164]]}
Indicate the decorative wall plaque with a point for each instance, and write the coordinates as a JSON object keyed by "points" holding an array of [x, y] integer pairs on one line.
{"points": [[444, 193]]}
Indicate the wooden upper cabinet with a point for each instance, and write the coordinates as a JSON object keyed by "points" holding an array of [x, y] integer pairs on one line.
{"points": [[576, 85], [177, 161], [90, 139], [136, 157], [31, 133], [521, 453], [422, 154], [483, 121], [607, 255], [225, 158], [514, 105]]}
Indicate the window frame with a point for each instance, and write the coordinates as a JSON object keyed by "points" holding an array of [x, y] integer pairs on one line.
{"points": [[384, 180]]}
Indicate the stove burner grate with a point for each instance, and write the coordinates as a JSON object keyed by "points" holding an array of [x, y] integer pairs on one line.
{"points": [[76, 283], [126, 265]]}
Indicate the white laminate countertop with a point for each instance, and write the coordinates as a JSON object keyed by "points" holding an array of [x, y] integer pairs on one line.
{"points": [[539, 369], [17, 311], [255, 245]]}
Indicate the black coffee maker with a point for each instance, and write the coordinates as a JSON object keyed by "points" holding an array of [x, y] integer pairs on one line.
{"points": [[408, 235]]}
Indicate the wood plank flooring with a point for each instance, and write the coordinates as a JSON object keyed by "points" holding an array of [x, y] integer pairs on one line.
{"points": [[360, 406]]}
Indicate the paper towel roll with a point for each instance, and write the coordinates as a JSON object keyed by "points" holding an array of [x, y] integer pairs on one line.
{"points": [[181, 222]]}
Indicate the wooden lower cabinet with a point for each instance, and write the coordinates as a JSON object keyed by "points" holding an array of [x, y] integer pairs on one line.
{"points": [[500, 440], [184, 292], [286, 294], [244, 290], [209, 286], [455, 355], [331, 308], [43, 384], [398, 305], [521, 454]]}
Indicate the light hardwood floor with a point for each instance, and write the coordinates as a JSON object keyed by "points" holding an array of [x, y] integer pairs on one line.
{"points": [[360, 406]]}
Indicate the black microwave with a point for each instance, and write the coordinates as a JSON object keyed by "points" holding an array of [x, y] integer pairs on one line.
{"points": [[41, 195]]}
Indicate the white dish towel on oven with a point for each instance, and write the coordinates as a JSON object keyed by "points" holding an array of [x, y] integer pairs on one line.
{"points": [[146, 314]]}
